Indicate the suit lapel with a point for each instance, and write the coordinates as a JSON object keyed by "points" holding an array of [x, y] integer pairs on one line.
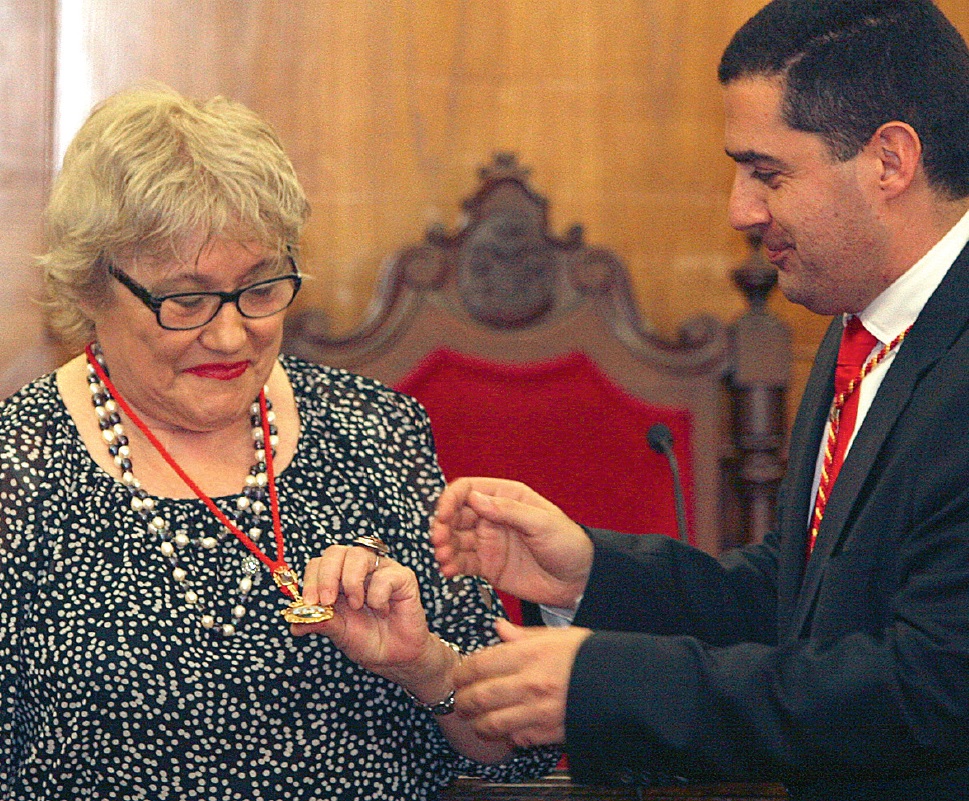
{"points": [[940, 323], [806, 433]]}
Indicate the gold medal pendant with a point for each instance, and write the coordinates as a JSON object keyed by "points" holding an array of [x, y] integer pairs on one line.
{"points": [[299, 611]]}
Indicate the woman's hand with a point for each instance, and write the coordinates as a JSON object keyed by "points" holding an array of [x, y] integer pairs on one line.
{"points": [[378, 619], [379, 623], [512, 536]]}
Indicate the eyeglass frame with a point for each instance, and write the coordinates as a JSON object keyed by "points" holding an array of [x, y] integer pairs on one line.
{"points": [[154, 302]]}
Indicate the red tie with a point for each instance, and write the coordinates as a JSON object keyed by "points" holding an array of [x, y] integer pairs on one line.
{"points": [[856, 347]]}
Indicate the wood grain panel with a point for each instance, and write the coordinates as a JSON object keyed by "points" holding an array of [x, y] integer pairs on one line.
{"points": [[26, 75]]}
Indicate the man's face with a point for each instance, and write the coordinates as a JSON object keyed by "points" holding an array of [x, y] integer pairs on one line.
{"points": [[815, 215]]}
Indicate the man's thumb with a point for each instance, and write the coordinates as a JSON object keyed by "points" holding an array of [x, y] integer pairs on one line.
{"points": [[509, 632]]}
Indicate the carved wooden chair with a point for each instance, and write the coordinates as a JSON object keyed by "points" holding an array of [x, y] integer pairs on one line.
{"points": [[533, 362], [528, 352]]}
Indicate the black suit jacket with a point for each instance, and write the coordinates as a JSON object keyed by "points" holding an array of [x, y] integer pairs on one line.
{"points": [[844, 678]]}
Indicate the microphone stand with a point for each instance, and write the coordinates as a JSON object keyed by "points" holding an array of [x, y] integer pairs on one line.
{"points": [[660, 439]]}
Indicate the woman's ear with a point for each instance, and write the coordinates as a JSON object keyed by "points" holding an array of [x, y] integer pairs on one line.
{"points": [[897, 151]]}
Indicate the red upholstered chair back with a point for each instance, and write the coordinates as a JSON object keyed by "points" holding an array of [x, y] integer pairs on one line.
{"points": [[534, 364], [560, 426]]}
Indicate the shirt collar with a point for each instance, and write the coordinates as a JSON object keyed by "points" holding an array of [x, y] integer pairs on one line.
{"points": [[897, 307]]}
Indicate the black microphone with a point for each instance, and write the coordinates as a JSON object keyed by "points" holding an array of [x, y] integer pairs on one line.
{"points": [[660, 439]]}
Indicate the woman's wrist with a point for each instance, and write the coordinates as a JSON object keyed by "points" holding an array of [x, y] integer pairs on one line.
{"points": [[433, 686]]}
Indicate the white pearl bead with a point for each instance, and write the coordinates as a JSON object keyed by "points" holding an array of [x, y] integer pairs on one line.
{"points": [[159, 526]]}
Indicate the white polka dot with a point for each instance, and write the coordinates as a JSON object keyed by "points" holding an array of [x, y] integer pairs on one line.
{"points": [[122, 694]]}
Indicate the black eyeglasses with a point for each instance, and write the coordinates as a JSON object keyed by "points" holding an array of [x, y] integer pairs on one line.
{"points": [[183, 311]]}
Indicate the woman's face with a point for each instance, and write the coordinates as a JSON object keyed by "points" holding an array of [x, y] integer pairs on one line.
{"points": [[199, 380]]}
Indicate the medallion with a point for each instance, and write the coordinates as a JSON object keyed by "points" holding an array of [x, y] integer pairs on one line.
{"points": [[299, 612]]}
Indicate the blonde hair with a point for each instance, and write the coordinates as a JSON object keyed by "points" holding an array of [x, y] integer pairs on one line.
{"points": [[147, 174]]}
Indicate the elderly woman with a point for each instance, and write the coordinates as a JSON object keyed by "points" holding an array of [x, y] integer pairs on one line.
{"points": [[162, 494]]}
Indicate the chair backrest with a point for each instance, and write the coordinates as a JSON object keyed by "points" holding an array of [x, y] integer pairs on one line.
{"points": [[534, 363], [563, 427]]}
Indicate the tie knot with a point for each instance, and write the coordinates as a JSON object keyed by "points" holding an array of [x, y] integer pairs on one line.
{"points": [[856, 346]]}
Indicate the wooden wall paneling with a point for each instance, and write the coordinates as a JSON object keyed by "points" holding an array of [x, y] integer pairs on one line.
{"points": [[26, 86], [594, 103]]}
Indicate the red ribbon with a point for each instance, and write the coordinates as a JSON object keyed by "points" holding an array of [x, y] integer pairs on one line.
{"points": [[279, 564]]}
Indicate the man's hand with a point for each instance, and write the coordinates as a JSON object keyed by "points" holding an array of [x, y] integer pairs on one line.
{"points": [[516, 691], [513, 537]]}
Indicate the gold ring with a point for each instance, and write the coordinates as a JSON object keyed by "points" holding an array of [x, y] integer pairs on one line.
{"points": [[372, 543]]}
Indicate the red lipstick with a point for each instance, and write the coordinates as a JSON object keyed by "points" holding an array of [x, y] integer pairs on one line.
{"points": [[221, 371]]}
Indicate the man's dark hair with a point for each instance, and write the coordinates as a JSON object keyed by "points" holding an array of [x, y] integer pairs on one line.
{"points": [[852, 65]]}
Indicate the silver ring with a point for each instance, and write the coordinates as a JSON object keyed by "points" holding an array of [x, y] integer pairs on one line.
{"points": [[372, 543], [376, 562]]}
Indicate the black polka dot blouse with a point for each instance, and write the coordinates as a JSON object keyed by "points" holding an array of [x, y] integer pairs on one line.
{"points": [[111, 687]]}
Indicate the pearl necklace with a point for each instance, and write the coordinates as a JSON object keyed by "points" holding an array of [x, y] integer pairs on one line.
{"points": [[249, 507]]}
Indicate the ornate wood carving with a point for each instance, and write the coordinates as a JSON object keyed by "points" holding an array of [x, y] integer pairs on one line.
{"points": [[760, 345]]}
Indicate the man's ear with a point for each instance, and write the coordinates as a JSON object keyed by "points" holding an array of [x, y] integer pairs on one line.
{"points": [[897, 150]]}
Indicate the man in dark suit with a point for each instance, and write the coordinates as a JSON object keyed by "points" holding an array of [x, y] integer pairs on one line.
{"points": [[834, 656]]}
